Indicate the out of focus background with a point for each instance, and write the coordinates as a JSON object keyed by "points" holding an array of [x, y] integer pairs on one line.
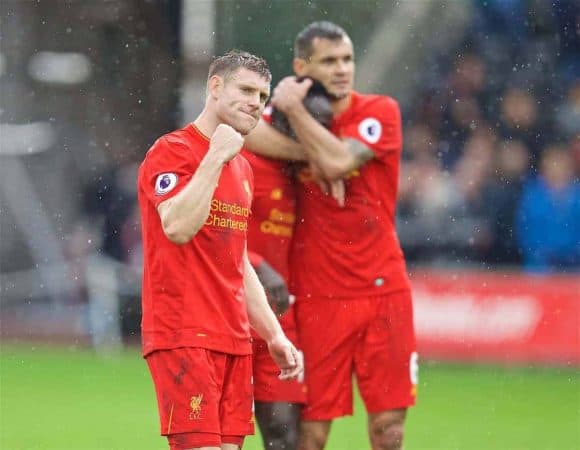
{"points": [[488, 215]]}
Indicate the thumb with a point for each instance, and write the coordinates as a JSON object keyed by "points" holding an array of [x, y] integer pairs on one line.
{"points": [[305, 84]]}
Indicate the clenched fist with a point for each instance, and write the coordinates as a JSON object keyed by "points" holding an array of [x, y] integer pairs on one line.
{"points": [[225, 142]]}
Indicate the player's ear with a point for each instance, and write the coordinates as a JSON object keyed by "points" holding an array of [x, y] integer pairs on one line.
{"points": [[299, 66], [215, 85]]}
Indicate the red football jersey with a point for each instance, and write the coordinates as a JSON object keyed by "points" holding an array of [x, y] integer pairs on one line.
{"points": [[193, 294], [353, 251], [272, 220]]}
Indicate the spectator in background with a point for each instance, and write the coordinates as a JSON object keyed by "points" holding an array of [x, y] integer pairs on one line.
{"points": [[548, 220], [518, 119], [464, 116], [112, 198], [425, 196], [463, 112], [511, 168], [471, 180], [425, 193], [420, 144]]}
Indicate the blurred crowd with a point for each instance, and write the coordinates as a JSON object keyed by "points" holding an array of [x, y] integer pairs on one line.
{"points": [[492, 143]]}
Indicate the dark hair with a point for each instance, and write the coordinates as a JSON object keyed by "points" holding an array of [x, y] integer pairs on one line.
{"points": [[233, 60], [322, 29]]}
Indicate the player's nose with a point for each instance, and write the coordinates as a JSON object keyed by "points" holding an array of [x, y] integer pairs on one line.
{"points": [[254, 101], [342, 67]]}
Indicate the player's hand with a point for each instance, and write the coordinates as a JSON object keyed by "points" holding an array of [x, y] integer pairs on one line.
{"points": [[290, 93], [336, 188], [226, 142], [286, 357], [275, 287], [316, 102], [338, 191]]}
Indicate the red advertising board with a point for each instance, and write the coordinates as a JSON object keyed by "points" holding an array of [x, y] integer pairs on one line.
{"points": [[497, 317]]}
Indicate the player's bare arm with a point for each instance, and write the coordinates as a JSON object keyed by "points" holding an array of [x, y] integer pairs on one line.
{"points": [[263, 320], [333, 156], [184, 214], [335, 188], [261, 317], [264, 140]]}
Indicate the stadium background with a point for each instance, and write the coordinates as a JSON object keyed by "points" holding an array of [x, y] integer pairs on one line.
{"points": [[490, 95]]}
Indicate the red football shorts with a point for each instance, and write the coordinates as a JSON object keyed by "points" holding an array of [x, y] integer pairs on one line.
{"points": [[267, 386], [204, 397], [371, 337]]}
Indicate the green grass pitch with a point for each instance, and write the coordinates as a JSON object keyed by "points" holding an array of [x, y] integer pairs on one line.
{"points": [[58, 399]]}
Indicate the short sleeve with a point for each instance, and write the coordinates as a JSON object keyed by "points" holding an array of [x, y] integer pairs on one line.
{"points": [[378, 126], [166, 170]]}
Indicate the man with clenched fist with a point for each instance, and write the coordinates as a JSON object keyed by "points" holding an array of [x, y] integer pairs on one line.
{"points": [[200, 293]]}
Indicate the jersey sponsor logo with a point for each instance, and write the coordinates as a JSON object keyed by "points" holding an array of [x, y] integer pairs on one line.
{"points": [[269, 227], [219, 212], [370, 129], [229, 208], [165, 182], [280, 216], [279, 223], [195, 404]]}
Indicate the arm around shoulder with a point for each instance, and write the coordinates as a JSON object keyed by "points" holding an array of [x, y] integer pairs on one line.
{"points": [[264, 140], [334, 157], [373, 131]]}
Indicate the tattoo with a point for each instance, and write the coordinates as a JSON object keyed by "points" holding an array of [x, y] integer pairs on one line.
{"points": [[360, 151]]}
